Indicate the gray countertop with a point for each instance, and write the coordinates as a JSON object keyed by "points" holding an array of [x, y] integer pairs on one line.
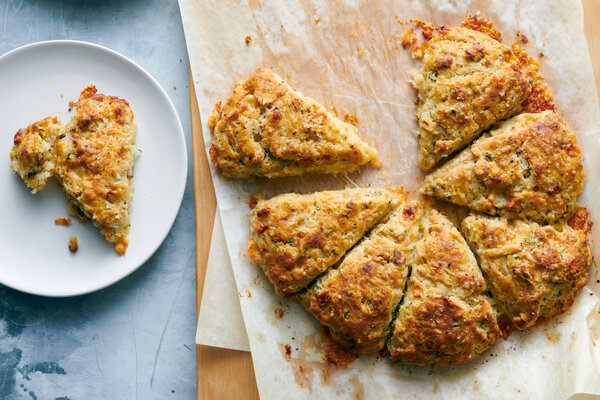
{"points": [[134, 339]]}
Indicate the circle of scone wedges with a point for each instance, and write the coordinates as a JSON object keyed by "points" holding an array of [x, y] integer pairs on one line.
{"points": [[385, 274]]}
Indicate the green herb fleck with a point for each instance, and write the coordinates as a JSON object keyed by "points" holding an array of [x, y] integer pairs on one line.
{"points": [[30, 174]]}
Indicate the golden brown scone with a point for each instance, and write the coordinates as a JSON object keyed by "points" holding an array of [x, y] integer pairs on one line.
{"points": [[529, 166], [467, 82], [268, 129], [95, 162], [533, 271], [357, 300], [445, 318], [295, 238], [33, 155]]}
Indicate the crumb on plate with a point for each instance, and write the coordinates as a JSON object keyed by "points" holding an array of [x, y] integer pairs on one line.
{"points": [[73, 244]]}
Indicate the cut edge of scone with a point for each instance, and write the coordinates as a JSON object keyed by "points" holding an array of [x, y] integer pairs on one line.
{"points": [[445, 317], [295, 238], [533, 271], [266, 128], [95, 163], [528, 166], [33, 154], [375, 270]]}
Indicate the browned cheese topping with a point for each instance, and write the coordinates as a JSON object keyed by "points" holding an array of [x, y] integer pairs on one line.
{"points": [[295, 238], [94, 163], [533, 271], [529, 166], [268, 129]]}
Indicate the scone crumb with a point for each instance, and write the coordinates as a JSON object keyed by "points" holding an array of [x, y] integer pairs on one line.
{"points": [[521, 38], [248, 39], [73, 244], [62, 221], [351, 119], [287, 351], [408, 38], [317, 20]]}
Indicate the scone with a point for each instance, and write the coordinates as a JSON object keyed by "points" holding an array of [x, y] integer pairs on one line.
{"points": [[445, 317], [467, 81], [357, 301], [529, 166], [295, 238], [533, 271], [268, 129], [33, 155], [94, 163]]}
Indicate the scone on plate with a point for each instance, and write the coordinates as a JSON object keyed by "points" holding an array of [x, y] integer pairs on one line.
{"points": [[529, 166], [295, 238], [33, 155], [445, 317], [357, 301], [467, 81], [268, 129], [533, 271], [94, 163]]}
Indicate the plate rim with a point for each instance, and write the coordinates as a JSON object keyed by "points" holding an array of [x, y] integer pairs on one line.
{"points": [[180, 137]]}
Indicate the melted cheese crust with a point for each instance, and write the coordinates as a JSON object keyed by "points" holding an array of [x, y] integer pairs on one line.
{"points": [[33, 154], [94, 162], [268, 129]]}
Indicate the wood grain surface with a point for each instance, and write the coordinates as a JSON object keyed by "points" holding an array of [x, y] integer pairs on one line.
{"points": [[228, 374]]}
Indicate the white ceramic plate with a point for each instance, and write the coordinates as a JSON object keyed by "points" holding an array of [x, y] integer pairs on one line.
{"points": [[38, 80]]}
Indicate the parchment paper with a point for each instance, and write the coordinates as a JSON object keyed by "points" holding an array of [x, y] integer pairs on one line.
{"points": [[347, 54], [220, 322]]}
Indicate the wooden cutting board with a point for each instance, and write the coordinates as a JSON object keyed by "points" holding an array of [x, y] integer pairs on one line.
{"points": [[228, 374]]}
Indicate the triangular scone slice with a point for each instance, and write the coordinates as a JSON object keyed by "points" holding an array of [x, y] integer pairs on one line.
{"points": [[295, 238], [95, 162], [533, 271], [467, 81], [268, 129], [445, 318], [529, 166], [357, 300], [33, 155]]}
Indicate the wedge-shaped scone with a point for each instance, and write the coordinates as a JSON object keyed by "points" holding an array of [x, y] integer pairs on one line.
{"points": [[445, 318], [533, 271], [94, 163], [268, 129], [33, 155], [530, 166], [357, 300], [295, 238], [467, 82]]}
